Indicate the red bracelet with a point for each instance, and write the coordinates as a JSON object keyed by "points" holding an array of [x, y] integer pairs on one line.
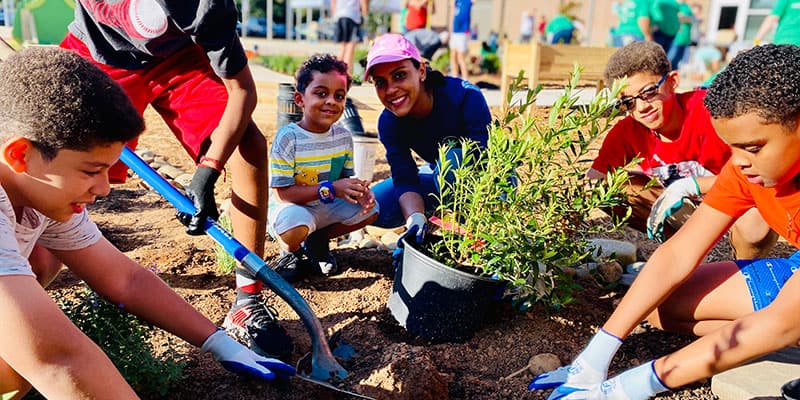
{"points": [[214, 163]]}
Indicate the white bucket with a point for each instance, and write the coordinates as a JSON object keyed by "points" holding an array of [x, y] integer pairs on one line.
{"points": [[364, 149]]}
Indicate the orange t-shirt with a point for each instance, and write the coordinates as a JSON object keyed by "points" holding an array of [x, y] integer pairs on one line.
{"points": [[732, 194]]}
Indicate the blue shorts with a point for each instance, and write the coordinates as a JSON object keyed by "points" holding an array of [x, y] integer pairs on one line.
{"points": [[766, 276]]}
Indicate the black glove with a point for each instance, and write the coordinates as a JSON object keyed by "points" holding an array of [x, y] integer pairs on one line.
{"points": [[201, 192]]}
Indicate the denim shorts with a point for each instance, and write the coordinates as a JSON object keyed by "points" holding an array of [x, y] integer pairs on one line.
{"points": [[285, 216], [766, 276]]}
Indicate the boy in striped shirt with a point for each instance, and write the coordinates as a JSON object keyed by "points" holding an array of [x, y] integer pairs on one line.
{"points": [[311, 168]]}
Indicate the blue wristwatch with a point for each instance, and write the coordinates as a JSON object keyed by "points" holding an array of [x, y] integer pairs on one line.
{"points": [[326, 192]]}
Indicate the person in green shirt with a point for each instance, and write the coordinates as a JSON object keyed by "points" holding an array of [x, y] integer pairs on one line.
{"points": [[663, 22], [628, 28], [559, 30], [684, 36], [786, 15]]}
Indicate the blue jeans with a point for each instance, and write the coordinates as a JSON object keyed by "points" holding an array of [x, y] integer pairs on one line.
{"points": [[625, 39], [391, 215], [675, 55], [664, 41], [563, 36]]}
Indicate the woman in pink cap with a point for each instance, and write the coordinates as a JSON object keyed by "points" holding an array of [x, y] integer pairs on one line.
{"points": [[423, 110]]}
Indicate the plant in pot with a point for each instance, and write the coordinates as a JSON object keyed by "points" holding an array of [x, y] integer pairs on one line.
{"points": [[514, 217]]}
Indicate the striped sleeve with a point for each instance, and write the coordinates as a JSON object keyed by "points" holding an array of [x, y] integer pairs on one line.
{"points": [[282, 159]]}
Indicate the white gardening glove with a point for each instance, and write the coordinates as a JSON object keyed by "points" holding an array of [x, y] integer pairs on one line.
{"points": [[237, 358], [416, 225], [668, 205], [589, 368], [638, 383]]}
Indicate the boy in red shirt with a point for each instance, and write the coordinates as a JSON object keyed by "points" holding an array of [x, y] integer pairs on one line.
{"points": [[672, 136], [742, 309]]}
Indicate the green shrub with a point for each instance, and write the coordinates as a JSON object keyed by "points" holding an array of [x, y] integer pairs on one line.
{"points": [[284, 64], [526, 232], [442, 62], [225, 262], [126, 341], [490, 63]]}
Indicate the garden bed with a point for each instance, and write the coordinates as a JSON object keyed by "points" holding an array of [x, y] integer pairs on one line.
{"points": [[390, 363]]}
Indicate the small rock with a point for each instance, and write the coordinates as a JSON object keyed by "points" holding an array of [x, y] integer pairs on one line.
{"points": [[146, 155], [543, 362], [604, 249], [225, 207], [391, 246], [170, 172], [183, 180], [610, 271], [155, 164], [389, 237], [369, 243]]}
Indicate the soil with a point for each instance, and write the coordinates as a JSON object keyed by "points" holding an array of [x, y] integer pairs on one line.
{"points": [[390, 363]]}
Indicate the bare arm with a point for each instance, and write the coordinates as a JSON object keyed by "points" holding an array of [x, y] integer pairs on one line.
{"points": [[122, 281], [53, 354], [364, 9], [769, 23], [644, 26], [411, 202], [242, 100], [753, 335], [668, 267]]}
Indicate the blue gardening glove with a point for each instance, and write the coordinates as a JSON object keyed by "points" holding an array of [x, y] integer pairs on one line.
{"points": [[201, 192], [638, 383], [416, 227], [669, 203], [589, 368], [236, 358]]}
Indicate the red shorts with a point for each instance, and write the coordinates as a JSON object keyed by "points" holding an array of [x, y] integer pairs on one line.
{"points": [[183, 89]]}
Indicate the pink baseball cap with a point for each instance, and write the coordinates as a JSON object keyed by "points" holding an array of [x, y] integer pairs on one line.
{"points": [[389, 48]]}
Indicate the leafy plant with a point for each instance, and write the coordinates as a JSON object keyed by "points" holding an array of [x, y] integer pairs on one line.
{"points": [[521, 206], [225, 261], [282, 63], [126, 341], [9, 395]]}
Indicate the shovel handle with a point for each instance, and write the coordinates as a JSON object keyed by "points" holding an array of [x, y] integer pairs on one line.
{"points": [[324, 365]]}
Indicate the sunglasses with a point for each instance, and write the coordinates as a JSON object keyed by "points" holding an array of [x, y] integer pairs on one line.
{"points": [[628, 103]]}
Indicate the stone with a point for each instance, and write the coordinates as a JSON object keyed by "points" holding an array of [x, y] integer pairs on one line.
{"points": [[183, 180], [610, 271], [543, 362], [369, 243], [146, 155], [170, 172], [605, 249], [389, 237]]}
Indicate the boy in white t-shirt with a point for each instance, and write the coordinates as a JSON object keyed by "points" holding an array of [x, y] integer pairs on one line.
{"points": [[63, 123]]}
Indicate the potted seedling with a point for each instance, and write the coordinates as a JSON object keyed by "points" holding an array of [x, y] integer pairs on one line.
{"points": [[515, 218]]}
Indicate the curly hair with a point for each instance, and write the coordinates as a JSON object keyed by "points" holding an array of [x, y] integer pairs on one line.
{"points": [[637, 57], [58, 100], [321, 63], [764, 80]]}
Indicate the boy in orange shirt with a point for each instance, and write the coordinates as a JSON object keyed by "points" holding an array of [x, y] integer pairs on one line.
{"points": [[742, 309]]}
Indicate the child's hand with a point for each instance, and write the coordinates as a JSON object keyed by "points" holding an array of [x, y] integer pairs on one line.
{"points": [[350, 189], [367, 201]]}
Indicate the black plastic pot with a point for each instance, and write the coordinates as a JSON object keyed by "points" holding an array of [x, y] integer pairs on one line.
{"points": [[437, 302], [288, 111]]}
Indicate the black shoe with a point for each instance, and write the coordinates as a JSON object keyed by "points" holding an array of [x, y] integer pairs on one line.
{"points": [[791, 390], [293, 266], [317, 248], [255, 324]]}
